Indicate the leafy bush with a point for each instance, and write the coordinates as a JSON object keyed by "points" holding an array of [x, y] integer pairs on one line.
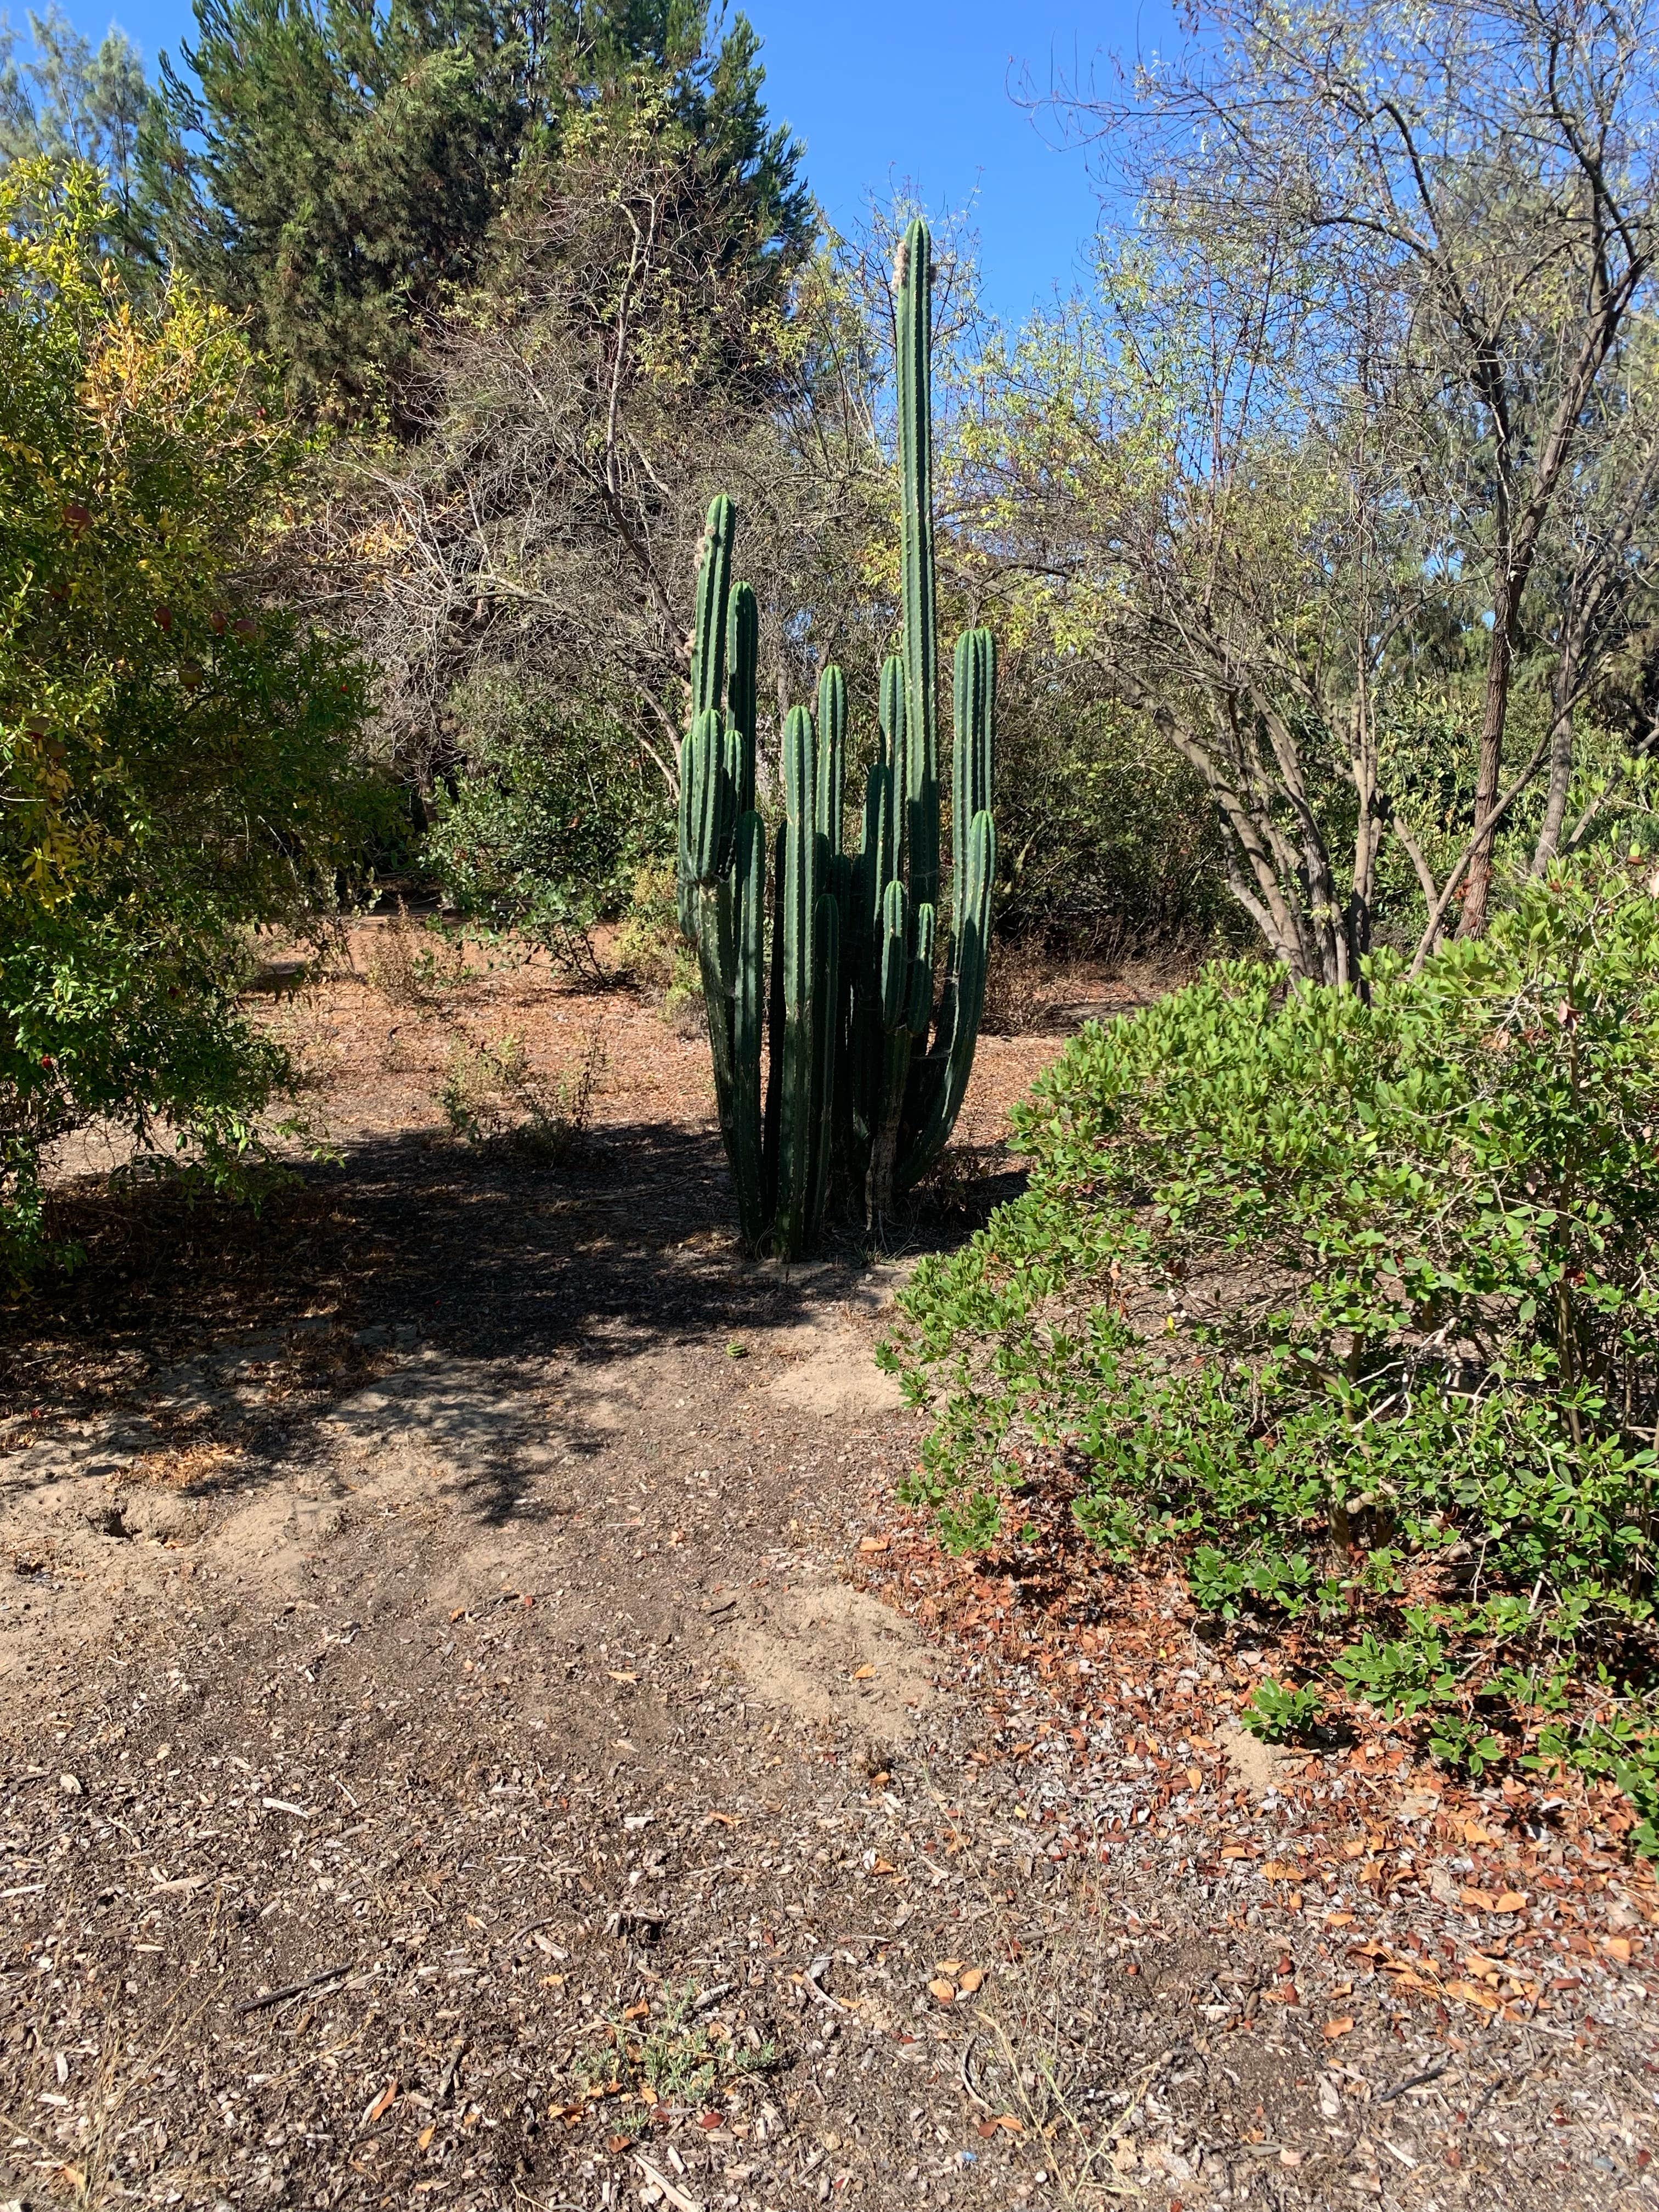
{"points": [[1110, 841], [1351, 1299], [1279, 1714], [177, 757], [549, 822], [412, 964], [655, 954], [493, 1093]]}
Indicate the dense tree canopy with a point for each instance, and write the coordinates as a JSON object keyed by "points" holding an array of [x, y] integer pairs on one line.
{"points": [[335, 170], [69, 102], [1348, 471]]}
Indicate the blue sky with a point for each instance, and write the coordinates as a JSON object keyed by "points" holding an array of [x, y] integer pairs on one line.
{"points": [[884, 93]]}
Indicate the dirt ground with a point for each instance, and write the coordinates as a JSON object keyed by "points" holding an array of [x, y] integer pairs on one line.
{"points": [[478, 1731]]}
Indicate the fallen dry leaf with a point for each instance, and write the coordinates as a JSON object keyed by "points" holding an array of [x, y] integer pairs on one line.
{"points": [[943, 1990], [1473, 1993], [864, 1673], [381, 2106], [1512, 1900], [971, 1978], [1334, 2027]]}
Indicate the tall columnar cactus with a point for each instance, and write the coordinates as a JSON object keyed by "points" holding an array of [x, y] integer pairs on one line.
{"points": [[846, 1062]]}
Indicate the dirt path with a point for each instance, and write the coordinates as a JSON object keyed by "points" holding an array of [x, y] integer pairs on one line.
{"points": [[451, 1758]]}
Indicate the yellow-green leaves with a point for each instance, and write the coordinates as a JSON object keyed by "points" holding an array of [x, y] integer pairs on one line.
{"points": [[175, 754]]}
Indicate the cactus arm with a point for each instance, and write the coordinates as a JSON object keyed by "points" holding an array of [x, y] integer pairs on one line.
{"points": [[710, 814], [894, 756], [914, 349], [717, 959], [832, 758], [743, 682], [826, 1059], [713, 590], [972, 766], [861, 959], [747, 1148], [897, 942], [863, 918], [895, 957], [685, 882], [732, 751], [796, 1147], [961, 692], [973, 949], [983, 751], [974, 700], [919, 1010], [772, 1131]]}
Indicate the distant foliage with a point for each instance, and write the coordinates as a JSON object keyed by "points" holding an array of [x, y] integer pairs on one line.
{"points": [[177, 756], [1111, 842], [549, 821], [70, 102], [336, 173], [1351, 1301]]}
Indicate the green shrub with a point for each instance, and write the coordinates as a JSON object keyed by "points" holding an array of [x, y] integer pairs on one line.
{"points": [[549, 821], [1279, 1714], [1352, 1300], [1109, 841], [653, 952], [177, 756], [493, 1094]]}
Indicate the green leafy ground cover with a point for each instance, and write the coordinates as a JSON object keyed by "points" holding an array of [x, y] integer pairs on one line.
{"points": [[1348, 1304]]}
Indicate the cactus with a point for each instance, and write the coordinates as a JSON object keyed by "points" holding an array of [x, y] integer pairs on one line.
{"points": [[847, 1063]]}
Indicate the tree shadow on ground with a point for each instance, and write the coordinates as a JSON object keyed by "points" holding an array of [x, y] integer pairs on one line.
{"points": [[481, 1252]]}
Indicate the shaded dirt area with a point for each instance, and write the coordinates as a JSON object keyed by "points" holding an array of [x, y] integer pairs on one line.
{"points": [[477, 1731]]}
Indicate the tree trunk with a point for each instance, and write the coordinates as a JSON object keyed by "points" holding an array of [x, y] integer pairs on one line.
{"points": [[1561, 737], [1500, 664]]}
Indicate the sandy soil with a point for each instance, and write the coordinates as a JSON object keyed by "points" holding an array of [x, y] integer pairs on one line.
{"points": [[477, 1732]]}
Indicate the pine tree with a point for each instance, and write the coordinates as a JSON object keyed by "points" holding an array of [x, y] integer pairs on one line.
{"points": [[71, 103], [335, 169]]}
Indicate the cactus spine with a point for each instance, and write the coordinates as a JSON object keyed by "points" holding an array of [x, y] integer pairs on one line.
{"points": [[846, 1064]]}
